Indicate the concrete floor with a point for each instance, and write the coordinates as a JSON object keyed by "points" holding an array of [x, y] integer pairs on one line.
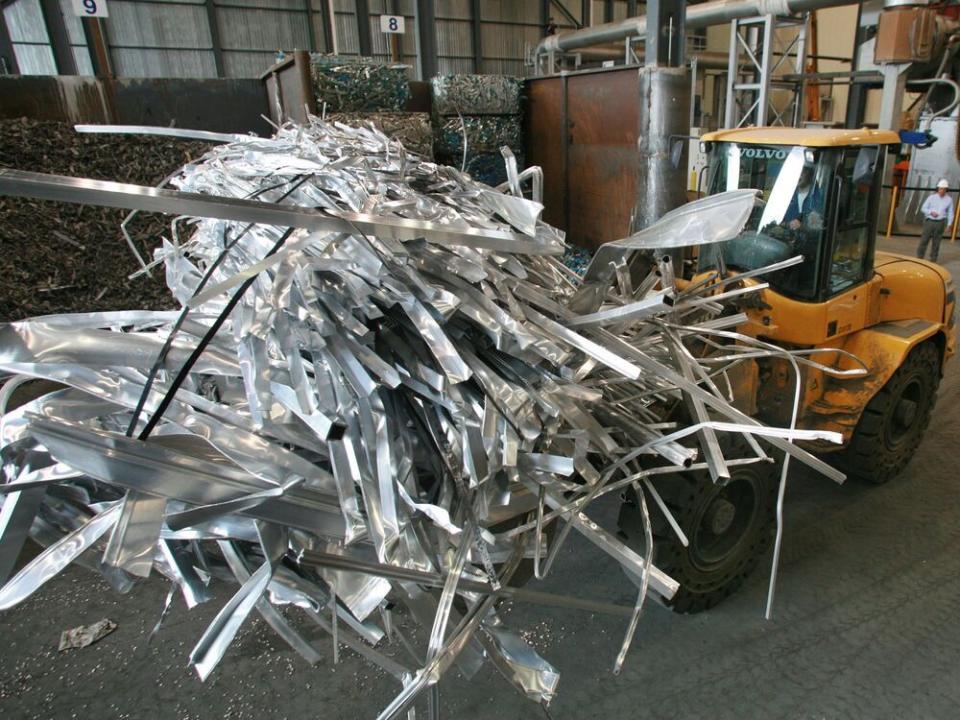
{"points": [[865, 626]]}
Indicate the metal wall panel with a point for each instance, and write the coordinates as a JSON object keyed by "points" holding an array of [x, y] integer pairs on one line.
{"points": [[454, 9], [247, 64], [380, 42], [619, 10], [82, 59], [255, 29], [72, 23], [503, 67], [156, 26], [78, 42], [454, 39], [348, 41], [504, 46], [454, 66], [525, 12], [35, 59], [385, 7], [29, 38], [163, 63], [171, 38], [264, 4], [25, 21]]}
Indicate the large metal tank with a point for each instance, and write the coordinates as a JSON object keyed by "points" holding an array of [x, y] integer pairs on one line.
{"points": [[604, 139]]}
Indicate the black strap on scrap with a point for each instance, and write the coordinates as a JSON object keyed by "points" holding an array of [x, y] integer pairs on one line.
{"points": [[168, 343], [204, 341]]}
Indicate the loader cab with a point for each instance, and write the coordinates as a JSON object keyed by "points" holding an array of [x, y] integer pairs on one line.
{"points": [[819, 196]]}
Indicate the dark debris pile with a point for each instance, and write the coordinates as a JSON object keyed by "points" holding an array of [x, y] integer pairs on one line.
{"points": [[59, 257]]}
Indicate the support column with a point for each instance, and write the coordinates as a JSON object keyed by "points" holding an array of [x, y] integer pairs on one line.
{"points": [[857, 94], [763, 96], [891, 101], [8, 58], [665, 99], [396, 46], [363, 28], [666, 33], [97, 47], [311, 35], [327, 20], [476, 27], [215, 38], [427, 38], [59, 40]]}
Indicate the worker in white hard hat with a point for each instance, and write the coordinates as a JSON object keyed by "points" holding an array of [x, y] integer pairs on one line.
{"points": [[937, 212]]}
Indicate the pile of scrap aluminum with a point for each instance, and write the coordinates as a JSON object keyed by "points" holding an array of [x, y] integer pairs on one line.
{"points": [[412, 129], [358, 84], [376, 399]]}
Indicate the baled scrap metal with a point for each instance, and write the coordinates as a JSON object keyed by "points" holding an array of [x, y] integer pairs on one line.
{"points": [[411, 129], [474, 117], [476, 95], [362, 411], [358, 84], [485, 167], [480, 134]]}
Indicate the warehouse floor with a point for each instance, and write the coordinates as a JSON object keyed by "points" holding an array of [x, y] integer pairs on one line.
{"points": [[865, 625]]}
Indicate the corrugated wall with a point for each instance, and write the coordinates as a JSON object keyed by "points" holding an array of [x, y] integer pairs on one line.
{"points": [[454, 37], [160, 39], [173, 38], [29, 38]]}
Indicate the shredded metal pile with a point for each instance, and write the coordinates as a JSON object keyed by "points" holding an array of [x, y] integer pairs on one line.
{"points": [[71, 258], [358, 84], [380, 405], [412, 129]]}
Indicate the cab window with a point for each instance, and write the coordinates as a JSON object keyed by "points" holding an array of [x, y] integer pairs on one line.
{"points": [[851, 248], [790, 218]]}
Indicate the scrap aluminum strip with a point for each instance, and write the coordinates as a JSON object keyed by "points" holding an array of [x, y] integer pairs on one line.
{"points": [[86, 191], [378, 395]]}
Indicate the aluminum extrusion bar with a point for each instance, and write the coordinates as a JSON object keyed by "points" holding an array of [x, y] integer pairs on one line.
{"points": [[86, 191]]}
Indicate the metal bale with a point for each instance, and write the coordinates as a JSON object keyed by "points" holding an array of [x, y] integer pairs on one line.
{"points": [[358, 84], [474, 117], [477, 95], [376, 399], [476, 134]]}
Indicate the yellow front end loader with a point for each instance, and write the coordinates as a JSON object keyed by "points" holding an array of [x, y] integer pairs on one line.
{"points": [[819, 198]]}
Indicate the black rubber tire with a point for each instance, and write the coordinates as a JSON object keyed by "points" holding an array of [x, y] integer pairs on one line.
{"points": [[887, 435], [713, 566]]}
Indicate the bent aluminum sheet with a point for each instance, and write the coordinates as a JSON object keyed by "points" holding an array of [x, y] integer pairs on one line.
{"points": [[377, 397]]}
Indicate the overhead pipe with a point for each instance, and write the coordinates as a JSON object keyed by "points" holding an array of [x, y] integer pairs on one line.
{"points": [[716, 12], [705, 58]]}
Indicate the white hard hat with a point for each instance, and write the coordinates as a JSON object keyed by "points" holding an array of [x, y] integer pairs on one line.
{"points": [[943, 184]]}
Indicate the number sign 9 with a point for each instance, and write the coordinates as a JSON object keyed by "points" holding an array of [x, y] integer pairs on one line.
{"points": [[90, 8]]}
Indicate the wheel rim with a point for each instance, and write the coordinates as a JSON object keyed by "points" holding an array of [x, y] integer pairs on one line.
{"points": [[724, 523], [905, 411]]}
